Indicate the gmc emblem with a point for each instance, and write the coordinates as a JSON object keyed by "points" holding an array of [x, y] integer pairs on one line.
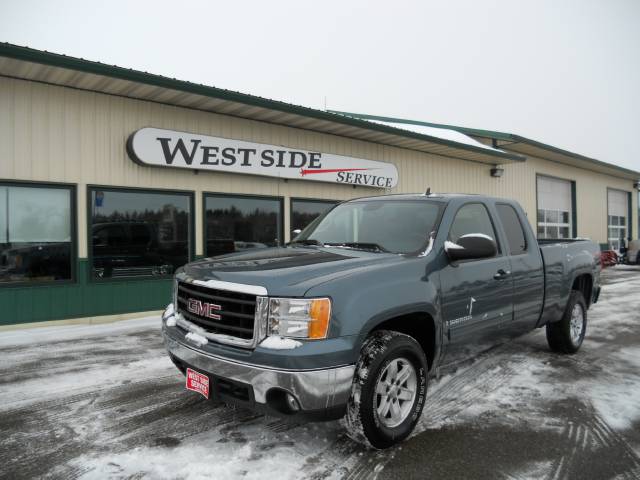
{"points": [[203, 309]]}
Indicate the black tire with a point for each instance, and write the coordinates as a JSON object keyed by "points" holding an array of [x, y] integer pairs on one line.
{"points": [[559, 334], [362, 421]]}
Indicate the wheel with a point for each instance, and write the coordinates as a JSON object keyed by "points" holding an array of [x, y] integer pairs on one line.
{"points": [[567, 335], [388, 391]]}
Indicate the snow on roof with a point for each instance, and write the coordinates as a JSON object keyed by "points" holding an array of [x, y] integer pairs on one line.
{"points": [[444, 133]]}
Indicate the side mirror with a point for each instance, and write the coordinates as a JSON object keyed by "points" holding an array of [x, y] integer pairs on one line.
{"points": [[471, 246]]}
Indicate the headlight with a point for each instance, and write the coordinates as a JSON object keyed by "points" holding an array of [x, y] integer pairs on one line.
{"points": [[299, 317]]}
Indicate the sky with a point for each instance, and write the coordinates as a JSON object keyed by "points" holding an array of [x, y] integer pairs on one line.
{"points": [[565, 73]]}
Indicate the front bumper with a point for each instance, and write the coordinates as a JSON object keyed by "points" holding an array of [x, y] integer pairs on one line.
{"points": [[321, 394]]}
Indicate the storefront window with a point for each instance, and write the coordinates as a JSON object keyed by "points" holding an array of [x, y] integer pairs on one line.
{"points": [[35, 233], [303, 212], [236, 223], [139, 234]]}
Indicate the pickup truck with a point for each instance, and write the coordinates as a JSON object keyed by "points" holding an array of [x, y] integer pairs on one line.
{"points": [[369, 302]]}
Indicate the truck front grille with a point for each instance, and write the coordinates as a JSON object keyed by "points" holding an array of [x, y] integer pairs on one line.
{"points": [[218, 311]]}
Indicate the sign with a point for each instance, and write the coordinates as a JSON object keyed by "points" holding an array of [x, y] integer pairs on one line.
{"points": [[169, 148], [197, 382]]}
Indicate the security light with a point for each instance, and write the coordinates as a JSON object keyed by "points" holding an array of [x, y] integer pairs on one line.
{"points": [[497, 172]]}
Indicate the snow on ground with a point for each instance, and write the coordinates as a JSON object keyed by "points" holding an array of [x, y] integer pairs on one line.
{"points": [[104, 401]]}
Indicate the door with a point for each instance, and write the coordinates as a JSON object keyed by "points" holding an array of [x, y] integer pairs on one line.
{"points": [[527, 271], [477, 295]]}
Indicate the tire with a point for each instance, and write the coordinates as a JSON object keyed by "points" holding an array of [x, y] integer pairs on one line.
{"points": [[384, 418], [567, 335]]}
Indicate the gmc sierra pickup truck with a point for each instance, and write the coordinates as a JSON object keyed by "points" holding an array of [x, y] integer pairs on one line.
{"points": [[372, 299]]}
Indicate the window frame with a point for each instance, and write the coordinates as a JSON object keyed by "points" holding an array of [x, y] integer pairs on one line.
{"points": [[496, 234], [205, 195], [310, 200], [573, 214], [73, 215], [115, 188], [524, 232]]}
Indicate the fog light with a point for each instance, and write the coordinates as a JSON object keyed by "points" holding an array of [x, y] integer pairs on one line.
{"points": [[292, 403]]}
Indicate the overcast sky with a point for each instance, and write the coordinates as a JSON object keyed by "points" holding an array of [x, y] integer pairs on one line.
{"points": [[561, 72]]}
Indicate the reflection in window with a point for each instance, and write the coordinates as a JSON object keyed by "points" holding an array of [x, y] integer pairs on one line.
{"points": [[235, 223], [35, 233], [303, 212], [137, 234]]}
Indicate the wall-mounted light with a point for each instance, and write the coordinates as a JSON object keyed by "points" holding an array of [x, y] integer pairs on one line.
{"points": [[636, 185], [497, 172]]}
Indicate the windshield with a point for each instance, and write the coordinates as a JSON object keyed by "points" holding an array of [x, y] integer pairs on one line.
{"points": [[396, 226]]}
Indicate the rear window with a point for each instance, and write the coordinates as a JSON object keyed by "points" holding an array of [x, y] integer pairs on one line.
{"points": [[516, 238]]}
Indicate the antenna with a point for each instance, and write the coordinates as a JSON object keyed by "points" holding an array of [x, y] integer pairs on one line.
{"points": [[428, 191]]}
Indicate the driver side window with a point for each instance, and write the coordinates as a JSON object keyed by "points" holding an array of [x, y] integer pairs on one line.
{"points": [[472, 218]]}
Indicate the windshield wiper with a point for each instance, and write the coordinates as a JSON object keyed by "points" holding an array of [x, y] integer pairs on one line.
{"points": [[359, 246], [308, 241]]}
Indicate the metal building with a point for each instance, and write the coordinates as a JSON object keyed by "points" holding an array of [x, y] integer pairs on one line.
{"points": [[110, 178]]}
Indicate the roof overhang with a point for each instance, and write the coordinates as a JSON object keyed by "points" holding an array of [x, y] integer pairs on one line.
{"points": [[518, 144], [40, 66]]}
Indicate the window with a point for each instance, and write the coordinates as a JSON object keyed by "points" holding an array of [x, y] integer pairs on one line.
{"points": [[472, 218], [513, 228], [234, 223], [35, 233], [618, 210], [138, 233], [555, 207], [303, 212], [397, 226]]}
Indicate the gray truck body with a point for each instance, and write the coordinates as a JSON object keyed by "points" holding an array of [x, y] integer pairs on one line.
{"points": [[453, 309]]}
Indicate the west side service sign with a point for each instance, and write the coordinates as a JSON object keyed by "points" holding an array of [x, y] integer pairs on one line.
{"points": [[168, 148]]}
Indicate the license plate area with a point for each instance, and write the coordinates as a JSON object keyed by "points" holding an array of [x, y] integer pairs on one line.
{"points": [[198, 382]]}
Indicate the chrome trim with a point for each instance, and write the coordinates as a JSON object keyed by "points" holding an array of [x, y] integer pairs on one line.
{"points": [[314, 389], [232, 287]]}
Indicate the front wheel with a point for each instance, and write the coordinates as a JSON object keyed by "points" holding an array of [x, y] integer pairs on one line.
{"points": [[388, 391], [567, 335]]}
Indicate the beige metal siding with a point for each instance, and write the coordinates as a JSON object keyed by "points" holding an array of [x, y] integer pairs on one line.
{"points": [[52, 133]]}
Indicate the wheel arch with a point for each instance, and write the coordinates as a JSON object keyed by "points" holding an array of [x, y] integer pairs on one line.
{"points": [[583, 283], [419, 325]]}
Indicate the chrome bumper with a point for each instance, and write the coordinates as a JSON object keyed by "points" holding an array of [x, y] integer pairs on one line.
{"points": [[314, 389]]}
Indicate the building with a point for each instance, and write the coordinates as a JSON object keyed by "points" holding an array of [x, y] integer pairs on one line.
{"points": [[110, 178]]}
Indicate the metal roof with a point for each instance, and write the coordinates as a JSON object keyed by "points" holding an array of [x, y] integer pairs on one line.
{"points": [[517, 144], [41, 66]]}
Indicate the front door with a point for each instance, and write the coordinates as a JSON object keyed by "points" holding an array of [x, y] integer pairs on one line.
{"points": [[477, 295]]}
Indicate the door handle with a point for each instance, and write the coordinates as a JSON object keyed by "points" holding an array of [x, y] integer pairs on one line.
{"points": [[500, 274]]}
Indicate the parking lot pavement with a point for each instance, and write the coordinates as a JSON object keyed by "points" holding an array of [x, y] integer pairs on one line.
{"points": [[105, 402]]}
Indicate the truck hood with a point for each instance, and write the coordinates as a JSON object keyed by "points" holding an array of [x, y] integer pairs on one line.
{"points": [[287, 270]]}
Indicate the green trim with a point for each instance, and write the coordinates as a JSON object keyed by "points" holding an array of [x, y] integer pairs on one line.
{"points": [[574, 208], [97, 68], [504, 136], [82, 299]]}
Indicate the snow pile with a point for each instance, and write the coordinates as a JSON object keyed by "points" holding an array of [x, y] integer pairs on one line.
{"points": [[275, 342], [448, 245], [197, 338], [443, 133]]}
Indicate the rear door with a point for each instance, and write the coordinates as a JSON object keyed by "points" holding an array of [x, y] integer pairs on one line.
{"points": [[477, 295], [526, 269]]}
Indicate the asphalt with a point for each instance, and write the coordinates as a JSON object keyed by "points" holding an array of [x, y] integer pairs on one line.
{"points": [[111, 405]]}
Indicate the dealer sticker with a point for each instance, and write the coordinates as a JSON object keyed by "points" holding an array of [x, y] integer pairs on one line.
{"points": [[197, 382]]}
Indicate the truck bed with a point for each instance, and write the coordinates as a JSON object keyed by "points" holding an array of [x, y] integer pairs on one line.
{"points": [[564, 261]]}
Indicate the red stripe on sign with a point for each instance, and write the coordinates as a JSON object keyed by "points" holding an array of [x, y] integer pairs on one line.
{"points": [[308, 171]]}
